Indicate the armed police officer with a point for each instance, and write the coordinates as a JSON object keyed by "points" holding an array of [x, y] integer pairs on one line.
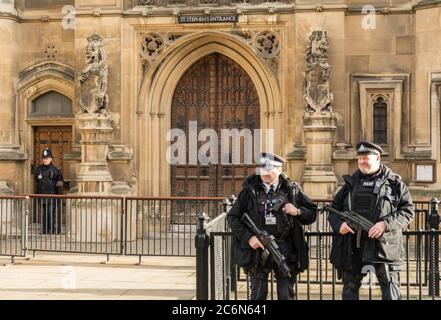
{"points": [[378, 194], [276, 205], [49, 180]]}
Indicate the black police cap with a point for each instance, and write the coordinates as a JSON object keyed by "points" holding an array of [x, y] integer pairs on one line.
{"points": [[271, 160], [47, 153], [366, 147]]}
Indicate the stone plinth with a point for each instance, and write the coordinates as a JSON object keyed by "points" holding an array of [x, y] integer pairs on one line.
{"points": [[319, 179], [93, 174], [94, 220]]}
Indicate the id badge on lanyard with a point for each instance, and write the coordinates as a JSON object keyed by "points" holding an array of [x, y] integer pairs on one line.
{"points": [[270, 219]]}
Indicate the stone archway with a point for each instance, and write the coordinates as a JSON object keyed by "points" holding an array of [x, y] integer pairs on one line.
{"points": [[157, 94], [215, 94], [34, 82]]}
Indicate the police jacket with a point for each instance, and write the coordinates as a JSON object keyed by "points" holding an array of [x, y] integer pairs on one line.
{"points": [[49, 179], [244, 255], [393, 205]]}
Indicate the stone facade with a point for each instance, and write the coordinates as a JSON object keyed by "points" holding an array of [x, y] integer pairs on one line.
{"points": [[393, 53]]}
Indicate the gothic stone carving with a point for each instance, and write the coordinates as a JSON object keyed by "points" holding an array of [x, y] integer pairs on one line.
{"points": [[93, 79], [152, 45], [246, 36], [316, 88], [51, 52], [265, 43]]}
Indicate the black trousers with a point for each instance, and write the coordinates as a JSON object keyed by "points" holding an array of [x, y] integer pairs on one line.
{"points": [[388, 278], [50, 211], [259, 286], [259, 279]]}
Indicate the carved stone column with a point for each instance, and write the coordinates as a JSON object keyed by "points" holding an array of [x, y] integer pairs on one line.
{"points": [[94, 175], [319, 123], [94, 221], [318, 178], [94, 123]]}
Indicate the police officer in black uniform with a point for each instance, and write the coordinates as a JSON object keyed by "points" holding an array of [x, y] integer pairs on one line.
{"points": [[49, 180], [260, 192], [380, 195]]}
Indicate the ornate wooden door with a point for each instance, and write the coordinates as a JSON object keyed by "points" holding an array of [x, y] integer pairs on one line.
{"points": [[59, 140], [218, 94]]}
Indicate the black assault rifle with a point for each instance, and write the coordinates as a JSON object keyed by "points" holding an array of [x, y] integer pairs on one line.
{"points": [[355, 220], [269, 243]]}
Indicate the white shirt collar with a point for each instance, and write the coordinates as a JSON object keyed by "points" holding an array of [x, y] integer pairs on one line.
{"points": [[268, 186]]}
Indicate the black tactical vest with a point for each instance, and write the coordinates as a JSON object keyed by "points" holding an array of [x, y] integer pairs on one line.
{"points": [[365, 197]]}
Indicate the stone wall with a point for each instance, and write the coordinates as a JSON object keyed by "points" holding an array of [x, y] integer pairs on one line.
{"points": [[405, 44]]}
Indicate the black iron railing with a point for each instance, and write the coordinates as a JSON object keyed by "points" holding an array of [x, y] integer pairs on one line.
{"points": [[108, 225], [420, 277]]}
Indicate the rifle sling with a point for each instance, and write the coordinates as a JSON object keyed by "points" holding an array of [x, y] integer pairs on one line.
{"points": [[358, 244]]}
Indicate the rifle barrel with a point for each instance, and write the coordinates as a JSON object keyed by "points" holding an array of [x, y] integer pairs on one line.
{"points": [[356, 218]]}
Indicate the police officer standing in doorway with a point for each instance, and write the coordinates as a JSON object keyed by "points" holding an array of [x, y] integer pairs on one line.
{"points": [[258, 197], [49, 180], [378, 194]]}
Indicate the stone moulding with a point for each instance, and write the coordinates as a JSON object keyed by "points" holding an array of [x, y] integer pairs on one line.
{"points": [[12, 153], [265, 43], [45, 69]]}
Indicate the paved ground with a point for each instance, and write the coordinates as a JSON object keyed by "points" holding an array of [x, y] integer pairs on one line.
{"points": [[68, 276], [58, 276]]}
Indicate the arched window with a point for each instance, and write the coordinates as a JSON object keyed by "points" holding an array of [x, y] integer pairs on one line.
{"points": [[51, 104], [380, 121]]}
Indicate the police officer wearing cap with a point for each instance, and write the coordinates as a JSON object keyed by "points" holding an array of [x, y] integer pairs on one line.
{"points": [[49, 180], [259, 194], [380, 195]]}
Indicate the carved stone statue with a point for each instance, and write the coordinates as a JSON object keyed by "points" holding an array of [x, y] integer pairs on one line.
{"points": [[93, 78], [316, 87]]}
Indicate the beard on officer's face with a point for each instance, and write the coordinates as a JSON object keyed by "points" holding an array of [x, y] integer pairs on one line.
{"points": [[369, 164]]}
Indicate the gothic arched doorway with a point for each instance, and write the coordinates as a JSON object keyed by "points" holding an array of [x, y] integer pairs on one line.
{"points": [[217, 94], [48, 115]]}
